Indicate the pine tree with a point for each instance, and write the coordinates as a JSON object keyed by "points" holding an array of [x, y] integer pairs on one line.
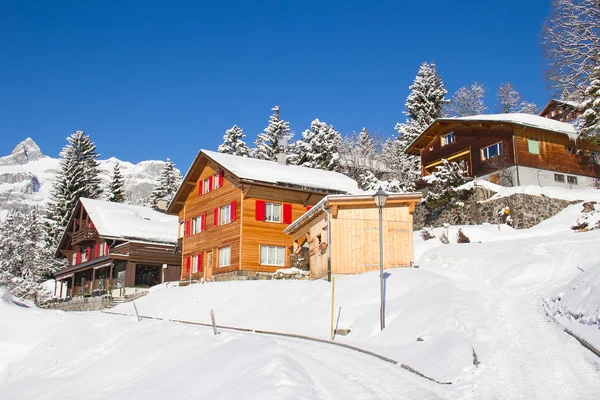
{"points": [[443, 183], [321, 146], [116, 192], [167, 186], [467, 101], [366, 145], [267, 143], [78, 176], [591, 109], [233, 143]]}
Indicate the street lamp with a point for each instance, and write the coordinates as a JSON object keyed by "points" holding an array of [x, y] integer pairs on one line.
{"points": [[380, 198]]}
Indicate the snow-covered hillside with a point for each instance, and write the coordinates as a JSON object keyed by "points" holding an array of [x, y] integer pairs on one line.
{"points": [[26, 177]]}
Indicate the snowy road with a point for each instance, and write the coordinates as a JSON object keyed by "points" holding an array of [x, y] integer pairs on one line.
{"points": [[528, 356]]}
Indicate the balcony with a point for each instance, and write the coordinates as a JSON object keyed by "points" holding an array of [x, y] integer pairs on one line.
{"points": [[84, 235]]}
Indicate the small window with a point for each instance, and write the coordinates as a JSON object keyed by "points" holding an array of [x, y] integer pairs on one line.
{"points": [[272, 255], [448, 138], [491, 151], [206, 186], [181, 229], [572, 180], [559, 178], [533, 146], [197, 225], [195, 264], [225, 256], [84, 255], [74, 259], [225, 215], [272, 212]]}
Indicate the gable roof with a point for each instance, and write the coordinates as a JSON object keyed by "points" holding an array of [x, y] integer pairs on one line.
{"points": [[266, 172], [517, 119]]}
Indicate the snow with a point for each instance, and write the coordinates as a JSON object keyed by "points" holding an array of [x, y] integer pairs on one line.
{"points": [[124, 221], [534, 121], [272, 172]]}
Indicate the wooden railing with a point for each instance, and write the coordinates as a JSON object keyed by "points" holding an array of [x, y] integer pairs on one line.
{"points": [[84, 234], [146, 251]]}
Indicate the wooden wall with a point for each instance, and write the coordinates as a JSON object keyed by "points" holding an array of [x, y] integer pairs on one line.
{"points": [[213, 237], [256, 233]]}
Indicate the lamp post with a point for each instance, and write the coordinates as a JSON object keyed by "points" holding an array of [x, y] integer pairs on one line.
{"points": [[380, 198]]}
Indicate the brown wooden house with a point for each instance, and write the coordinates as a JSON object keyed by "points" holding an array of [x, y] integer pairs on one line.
{"points": [[119, 247], [344, 229], [233, 210], [511, 149]]}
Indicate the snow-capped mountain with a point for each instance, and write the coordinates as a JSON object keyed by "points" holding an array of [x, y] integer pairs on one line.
{"points": [[26, 177]]}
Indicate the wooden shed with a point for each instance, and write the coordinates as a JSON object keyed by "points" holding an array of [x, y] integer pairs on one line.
{"points": [[345, 229]]}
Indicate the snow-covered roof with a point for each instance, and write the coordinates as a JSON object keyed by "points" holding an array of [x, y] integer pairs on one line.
{"points": [[124, 221], [272, 172], [534, 121]]}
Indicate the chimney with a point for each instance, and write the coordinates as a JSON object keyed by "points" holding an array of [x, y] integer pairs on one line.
{"points": [[162, 204], [282, 158]]}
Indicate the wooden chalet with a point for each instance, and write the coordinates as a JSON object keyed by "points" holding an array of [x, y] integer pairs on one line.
{"points": [[511, 149], [345, 231], [118, 247], [233, 210], [561, 110]]}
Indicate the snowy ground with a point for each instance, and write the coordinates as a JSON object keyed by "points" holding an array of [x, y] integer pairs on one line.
{"points": [[490, 297]]}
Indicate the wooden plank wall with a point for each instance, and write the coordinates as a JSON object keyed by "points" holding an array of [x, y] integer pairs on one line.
{"points": [[213, 237], [255, 233]]}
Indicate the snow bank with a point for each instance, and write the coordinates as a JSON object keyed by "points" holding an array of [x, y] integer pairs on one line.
{"points": [[588, 194]]}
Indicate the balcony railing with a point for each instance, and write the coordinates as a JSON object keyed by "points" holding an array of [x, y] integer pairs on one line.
{"points": [[84, 234]]}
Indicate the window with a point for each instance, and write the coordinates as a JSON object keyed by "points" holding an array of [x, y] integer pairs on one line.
{"points": [[559, 178], [272, 255], [74, 261], [218, 180], [447, 139], [196, 224], [181, 228], [84, 255], [572, 180], [225, 215], [206, 186], [491, 151], [225, 256], [533, 146], [194, 264], [272, 212]]}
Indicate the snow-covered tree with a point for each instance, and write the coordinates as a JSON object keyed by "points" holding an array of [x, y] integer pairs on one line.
{"points": [[358, 158], [116, 192], [366, 145], [510, 101], [267, 142], [423, 106], [468, 101], [590, 126], [571, 40], [443, 182], [233, 143], [168, 184], [78, 176], [321, 146]]}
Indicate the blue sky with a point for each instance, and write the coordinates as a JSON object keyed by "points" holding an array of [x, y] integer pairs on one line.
{"points": [[155, 79]]}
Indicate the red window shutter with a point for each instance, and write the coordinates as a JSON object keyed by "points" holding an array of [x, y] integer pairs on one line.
{"points": [[92, 226], [200, 187], [308, 208], [188, 263], [287, 213], [96, 250], [78, 257], [203, 222], [200, 262], [259, 212], [216, 217], [210, 184], [105, 249], [188, 227], [220, 178], [232, 211]]}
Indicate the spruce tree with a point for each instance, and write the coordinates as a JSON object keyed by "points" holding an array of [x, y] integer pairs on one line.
{"points": [[233, 143], [116, 192], [590, 126], [167, 186], [366, 145], [78, 176], [267, 143], [321, 146]]}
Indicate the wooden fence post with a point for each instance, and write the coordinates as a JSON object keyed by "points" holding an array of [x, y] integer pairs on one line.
{"points": [[214, 324], [136, 312]]}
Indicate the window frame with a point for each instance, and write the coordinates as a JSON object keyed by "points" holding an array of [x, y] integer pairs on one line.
{"points": [[206, 186], [446, 141], [560, 178], [572, 180], [267, 204], [274, 248], [500, 151], [225, 213], [537, 145], [221, 249], [195, 264]]}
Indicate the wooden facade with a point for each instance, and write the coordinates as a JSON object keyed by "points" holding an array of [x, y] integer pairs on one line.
{"points": [[521, 146], [246, 233], [98, 263], [353, 241]]}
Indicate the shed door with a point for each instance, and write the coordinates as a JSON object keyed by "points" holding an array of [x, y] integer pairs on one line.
{"points": [[370, 257]]}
